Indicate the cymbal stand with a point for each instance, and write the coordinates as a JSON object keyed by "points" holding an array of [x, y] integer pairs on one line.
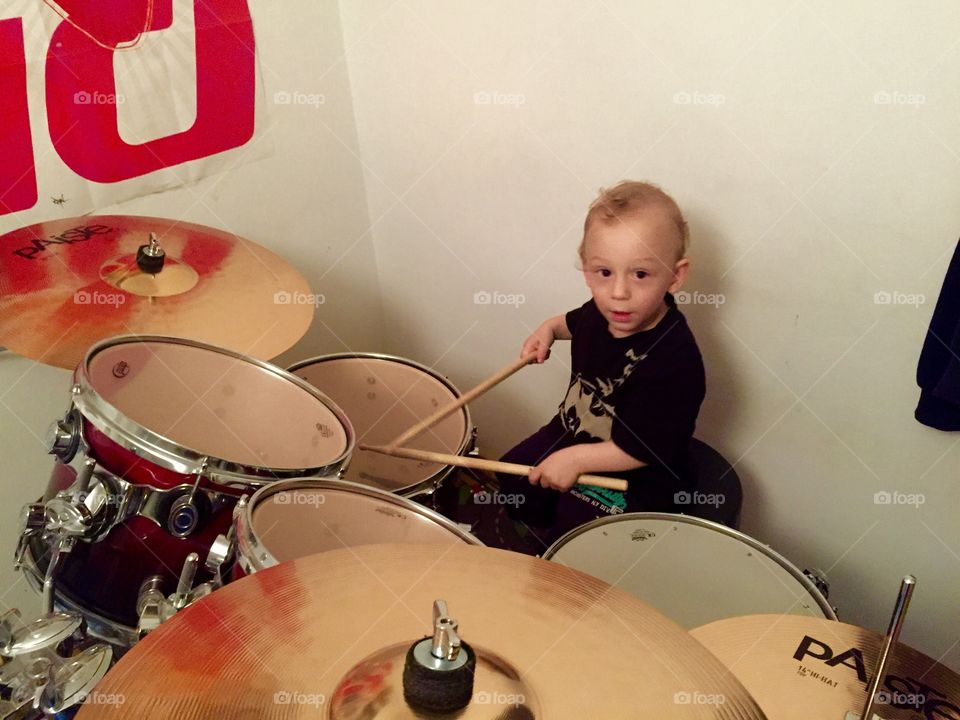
{"points": [[893, 633]]}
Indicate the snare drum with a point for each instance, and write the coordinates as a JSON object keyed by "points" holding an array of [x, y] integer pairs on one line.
{"points": [[693, 571], [384, 396], [294, 518], [166, 434]]}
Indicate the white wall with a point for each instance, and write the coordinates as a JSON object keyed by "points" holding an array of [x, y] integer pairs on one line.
{"points": [[806, 197], [807, 194], [304, 200]]}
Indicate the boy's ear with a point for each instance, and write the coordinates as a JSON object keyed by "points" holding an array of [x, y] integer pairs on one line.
{"points": [[680, 271]]}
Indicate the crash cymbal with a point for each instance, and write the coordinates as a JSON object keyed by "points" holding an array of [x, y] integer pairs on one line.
{"points": [[799, 668], [68, 283], [303, 639]]}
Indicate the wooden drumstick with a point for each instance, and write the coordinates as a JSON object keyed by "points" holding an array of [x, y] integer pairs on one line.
{"points": [[491, 465], [468, 396]]}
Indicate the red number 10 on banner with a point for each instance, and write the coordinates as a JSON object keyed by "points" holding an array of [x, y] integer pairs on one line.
{"points": [[86, 135]]}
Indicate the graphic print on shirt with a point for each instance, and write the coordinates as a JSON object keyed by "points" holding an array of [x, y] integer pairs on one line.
{"points": [[588, 406]]}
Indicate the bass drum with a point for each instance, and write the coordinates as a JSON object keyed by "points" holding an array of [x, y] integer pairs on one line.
{"points": [[693, 571], [383, 396]]}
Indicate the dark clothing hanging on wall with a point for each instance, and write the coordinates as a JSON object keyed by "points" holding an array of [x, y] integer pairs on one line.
{"points": [[938, 373]]}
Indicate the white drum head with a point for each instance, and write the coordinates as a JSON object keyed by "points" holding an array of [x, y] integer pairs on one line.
{"points": [[294, 518], [692, 570], [383, 397], [217, 404]]}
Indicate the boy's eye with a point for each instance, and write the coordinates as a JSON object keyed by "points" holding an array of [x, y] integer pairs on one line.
{"points": [[640, 274], [604, 272]]}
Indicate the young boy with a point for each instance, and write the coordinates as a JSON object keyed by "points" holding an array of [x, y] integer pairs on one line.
{"points": [[637, 377]]}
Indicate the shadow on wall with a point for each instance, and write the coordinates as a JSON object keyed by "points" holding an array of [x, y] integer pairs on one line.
{"points": [[702, 300]]}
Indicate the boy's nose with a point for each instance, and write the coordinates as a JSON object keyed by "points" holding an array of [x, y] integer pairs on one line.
{"points": [[621, 288]]}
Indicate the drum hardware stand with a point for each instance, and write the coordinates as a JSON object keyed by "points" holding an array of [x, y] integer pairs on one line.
{"points": [[72, 514], [48, 665], [893, 633]]}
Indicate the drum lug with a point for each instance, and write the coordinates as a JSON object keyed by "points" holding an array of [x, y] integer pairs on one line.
{"points": [[153, 608], [819, 579], [63, 437], [87, 509], [33, 521], [221, 553]]}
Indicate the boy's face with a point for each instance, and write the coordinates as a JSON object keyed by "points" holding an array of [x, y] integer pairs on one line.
{"points": [[629, 265]]}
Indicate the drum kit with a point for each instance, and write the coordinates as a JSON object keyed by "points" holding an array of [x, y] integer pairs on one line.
{"points": [[220, 537]]}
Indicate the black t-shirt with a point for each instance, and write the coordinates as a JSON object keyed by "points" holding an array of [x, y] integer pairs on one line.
{"points": [[642, 391]]}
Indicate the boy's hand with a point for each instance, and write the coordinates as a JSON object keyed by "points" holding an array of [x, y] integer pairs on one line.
{"points": [[551, 329], [539, 342], [559, 471]]}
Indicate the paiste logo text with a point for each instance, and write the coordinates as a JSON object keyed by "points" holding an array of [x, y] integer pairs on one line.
{"points": [[822, 663], [68, 237]]}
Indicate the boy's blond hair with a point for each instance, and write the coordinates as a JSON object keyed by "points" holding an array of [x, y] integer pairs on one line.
{"points": [[630, 197]]}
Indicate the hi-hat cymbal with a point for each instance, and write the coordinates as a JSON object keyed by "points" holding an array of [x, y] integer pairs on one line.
{"points": [[278, 643], [799, 668], [68, 283]]}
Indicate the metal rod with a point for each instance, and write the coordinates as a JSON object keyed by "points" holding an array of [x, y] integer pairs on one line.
{"points": [[185, 582], [84, 476], [61, 545], [893, 633]]}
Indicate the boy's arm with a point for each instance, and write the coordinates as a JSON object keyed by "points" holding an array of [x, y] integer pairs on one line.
{"points": [[561, 469], [551, 329]]}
